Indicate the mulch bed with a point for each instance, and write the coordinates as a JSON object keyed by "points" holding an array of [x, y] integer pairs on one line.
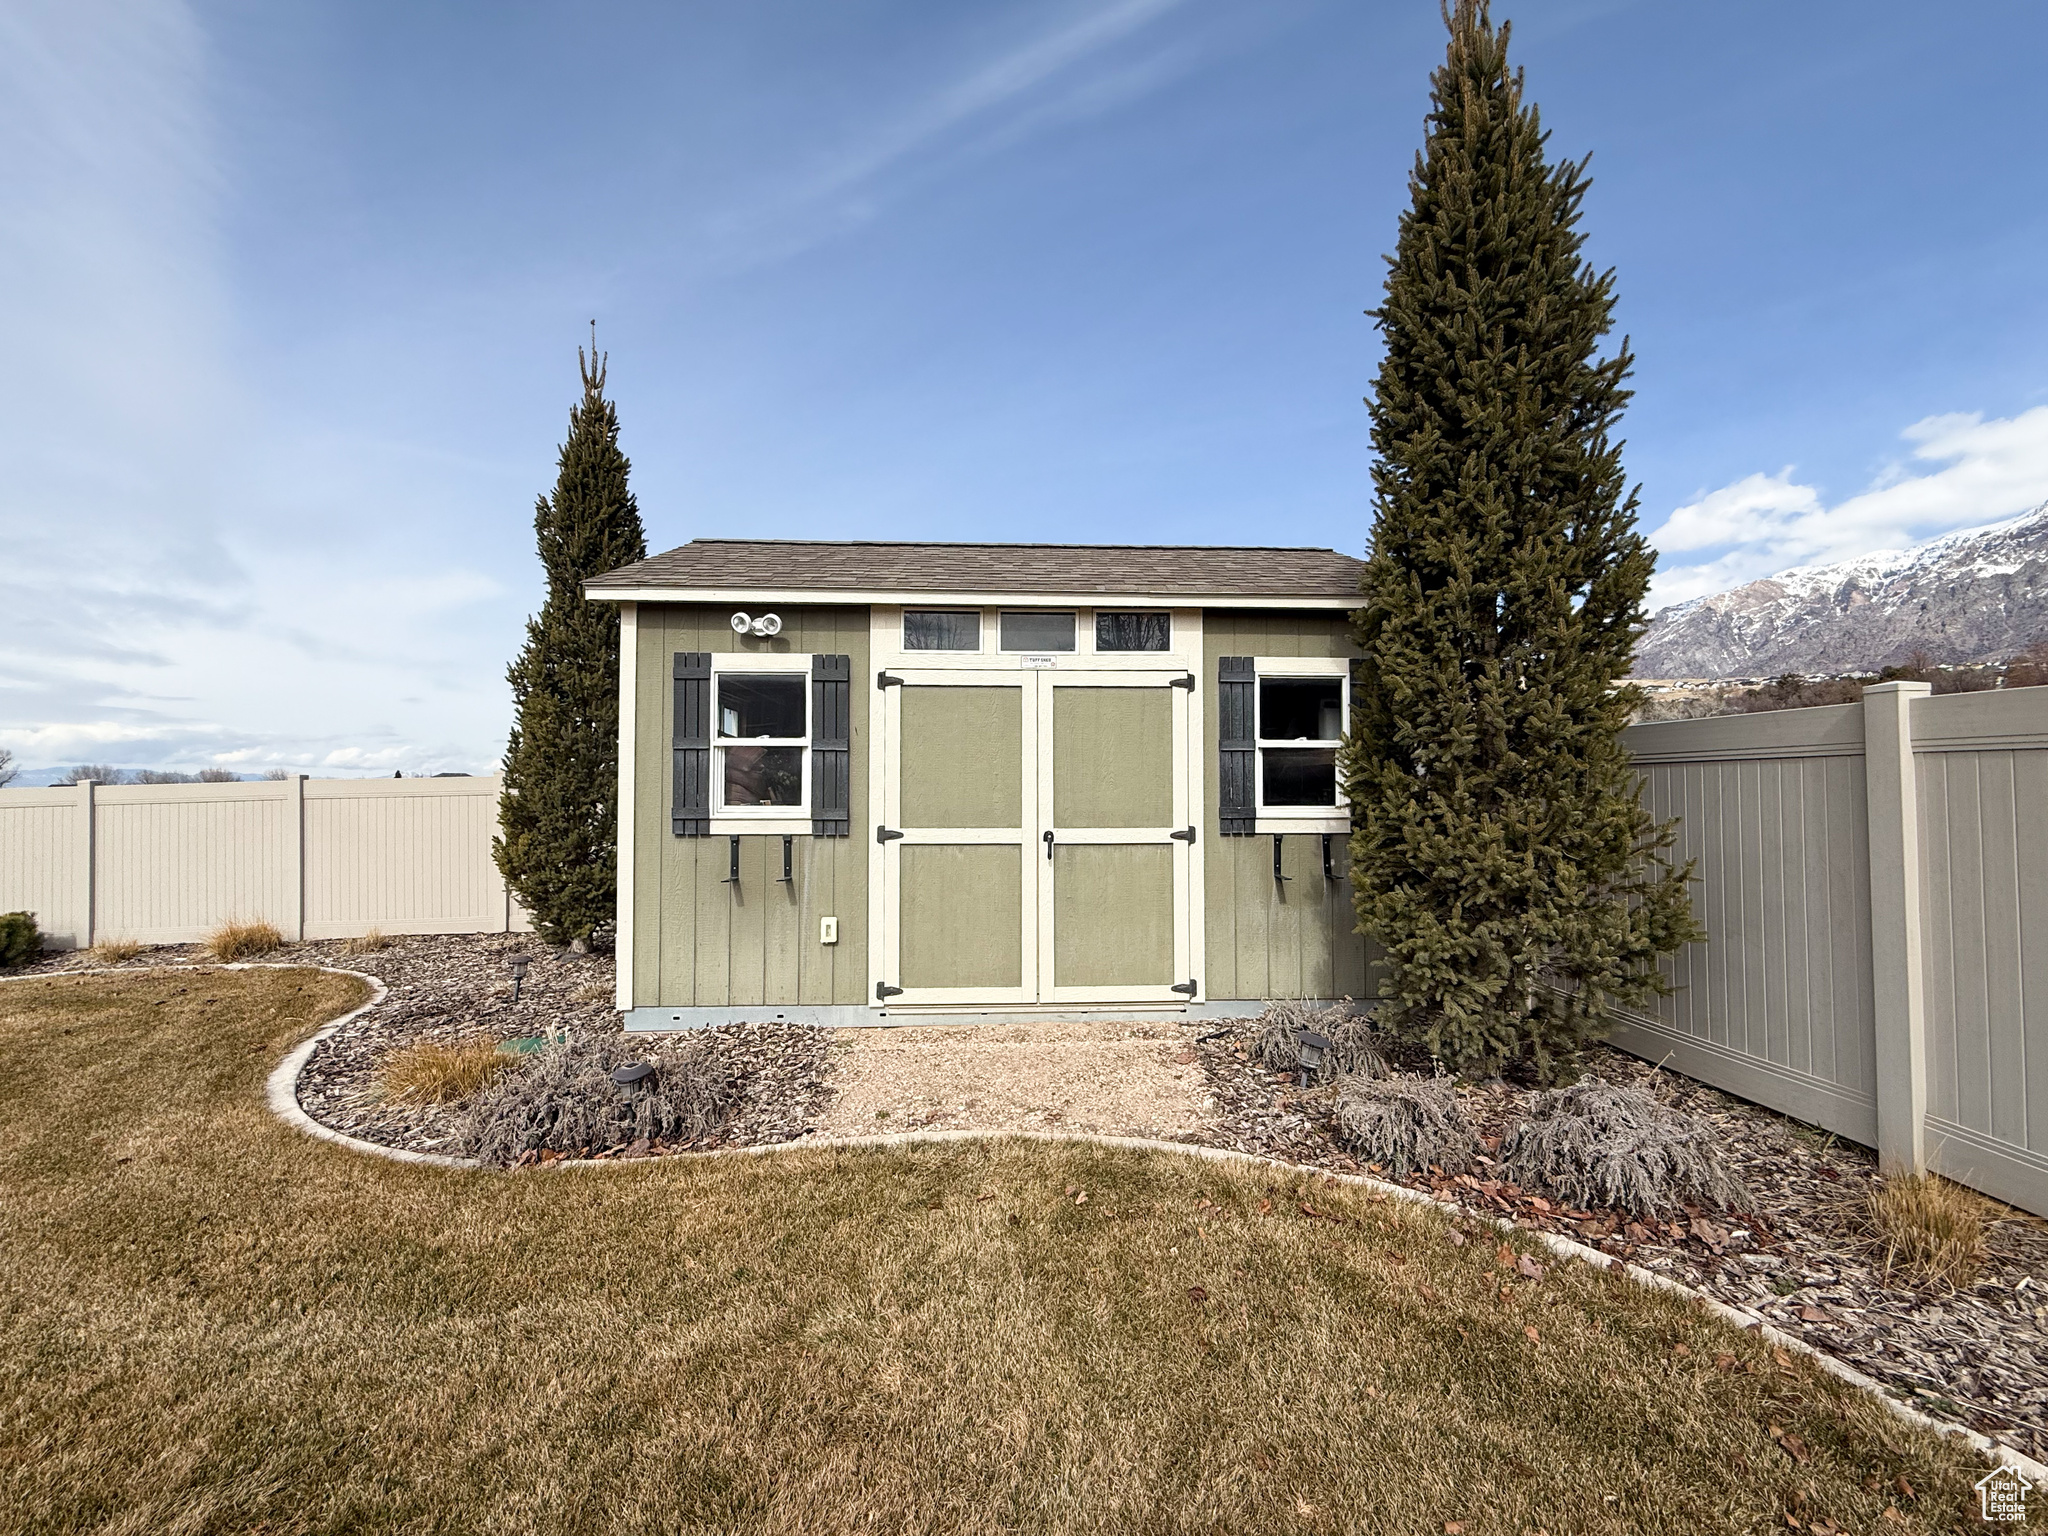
{"points": [[1978, 1356], [451, 988]]}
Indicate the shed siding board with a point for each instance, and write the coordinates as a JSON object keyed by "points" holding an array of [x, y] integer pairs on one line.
{"points": [[1266, 940], [705, 943]]}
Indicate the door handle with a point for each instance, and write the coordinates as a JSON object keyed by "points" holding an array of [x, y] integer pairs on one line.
{"points": [[1277, 875], [1048, 844]]}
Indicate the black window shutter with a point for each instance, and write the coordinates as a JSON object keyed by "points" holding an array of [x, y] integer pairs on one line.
{"points": [[831, 745], [1236, 708], [690, 814]]}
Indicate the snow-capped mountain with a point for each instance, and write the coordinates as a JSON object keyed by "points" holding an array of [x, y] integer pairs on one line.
{"points": [[1977, 595]]}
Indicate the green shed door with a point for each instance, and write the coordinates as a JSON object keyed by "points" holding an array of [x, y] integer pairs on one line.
{"points": [[959, 890], [1115, 894]]}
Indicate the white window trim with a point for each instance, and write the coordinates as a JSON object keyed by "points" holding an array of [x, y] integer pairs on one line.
{"points": [[1185, 639], [753, 818], [1299, 818]]}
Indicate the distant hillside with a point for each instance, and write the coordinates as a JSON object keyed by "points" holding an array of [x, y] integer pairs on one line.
{"points": [[1977, 595]]}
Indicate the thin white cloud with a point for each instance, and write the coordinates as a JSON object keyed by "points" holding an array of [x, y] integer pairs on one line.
{"points": [[840, 191], [1762, 524]]}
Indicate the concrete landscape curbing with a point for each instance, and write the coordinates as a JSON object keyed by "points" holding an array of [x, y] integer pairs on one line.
{"points": [[281, 1092]]}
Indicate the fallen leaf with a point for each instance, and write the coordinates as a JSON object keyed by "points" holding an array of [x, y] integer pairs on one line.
{"points": [[1813, 1315], [1427, 1293], [1680, 1351], [1891, 1512], [1725, 1363], [1782, 1356], [1453, 1527], [1197, 1295], [989, 1196], [1265, 1207], [1905, 1488], [1529, 1267], [1504, 1256], [1795, 1447], [1530, 1330], [1398, 1258], [1081, 1198], [1455, 1238]]}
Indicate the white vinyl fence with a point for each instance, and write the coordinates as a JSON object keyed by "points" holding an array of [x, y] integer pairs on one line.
{"points": [[1873, 879], [320, 858]]}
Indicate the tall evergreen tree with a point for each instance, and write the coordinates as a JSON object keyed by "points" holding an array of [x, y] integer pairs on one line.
{"points": [[559, 813], [1502, 855]]}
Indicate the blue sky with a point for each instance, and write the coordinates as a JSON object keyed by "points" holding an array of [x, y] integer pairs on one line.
{"points": [[293, 294]]}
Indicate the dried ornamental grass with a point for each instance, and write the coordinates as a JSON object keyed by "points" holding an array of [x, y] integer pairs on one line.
{"points": [[114, 951], [239, 941], [1927, 1229], [1353, 1045], [368, 943], [1598, 1144], [566, 1101], [431, 1072], [1406, 1123]]}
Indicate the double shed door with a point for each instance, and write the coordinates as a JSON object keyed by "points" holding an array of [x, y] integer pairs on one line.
{"points": [[1038, 841]]}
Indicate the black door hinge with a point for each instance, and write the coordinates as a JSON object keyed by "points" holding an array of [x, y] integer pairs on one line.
{"points": [[884, 990], [1187, 682], [1185, 988], [1183, 837], [884, 680], [886, 835]]}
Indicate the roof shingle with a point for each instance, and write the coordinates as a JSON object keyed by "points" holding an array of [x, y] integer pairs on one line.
{"points": [[1131, 570]]}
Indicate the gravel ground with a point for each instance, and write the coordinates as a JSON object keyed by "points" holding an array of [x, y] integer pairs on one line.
{"points": [[1979, 1355], [1135, 1079]]}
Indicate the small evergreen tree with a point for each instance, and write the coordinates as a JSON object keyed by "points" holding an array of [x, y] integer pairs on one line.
{"points": [[559, 813], [1501, 855]]}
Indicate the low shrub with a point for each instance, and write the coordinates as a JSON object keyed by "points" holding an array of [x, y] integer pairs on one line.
{"points": [[1354, 1047], [367, 943], [239, 941], [20, 940], [114, 951], [437, 1072], [1601, 1144], [596, 992], [1406, 1123], [1926, 1230], [566, 1101]]}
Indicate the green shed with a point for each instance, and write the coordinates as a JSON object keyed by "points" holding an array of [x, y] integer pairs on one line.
{"points": [[883, 783]]}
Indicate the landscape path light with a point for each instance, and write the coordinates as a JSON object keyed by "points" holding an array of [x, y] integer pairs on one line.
{"points": [[519, 964], [1313, 1048], [632, 1072]]}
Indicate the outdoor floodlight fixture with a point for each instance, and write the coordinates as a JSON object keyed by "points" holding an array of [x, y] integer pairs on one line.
{"points": [[766, 624], [519, 964], [1313, 1048], [631, 1073]]}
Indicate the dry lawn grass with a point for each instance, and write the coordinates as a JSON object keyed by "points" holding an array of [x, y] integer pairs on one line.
{"points": [[209, 1322], [243, 941], [1928, 1231], [431, 1072]]}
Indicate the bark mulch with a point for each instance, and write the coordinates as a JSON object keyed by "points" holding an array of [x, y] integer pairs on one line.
{"points": [[1796, 1260]]}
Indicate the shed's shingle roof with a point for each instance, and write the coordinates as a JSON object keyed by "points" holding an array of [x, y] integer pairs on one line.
{"points": [[1190, 570]]}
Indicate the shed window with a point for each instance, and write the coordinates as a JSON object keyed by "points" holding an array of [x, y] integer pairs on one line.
{"points": [[1038, 631], [763, 726], [941, 631], [1133, 632], [1301, 725]]}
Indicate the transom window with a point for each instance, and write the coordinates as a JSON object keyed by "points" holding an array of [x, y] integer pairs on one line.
{"points": [[933, 630], [1036, 631], [1133, 631], [763, 728], [1301, 725]]}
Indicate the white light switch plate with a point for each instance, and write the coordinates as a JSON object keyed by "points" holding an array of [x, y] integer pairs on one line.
{"points": [[828, 930]]}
